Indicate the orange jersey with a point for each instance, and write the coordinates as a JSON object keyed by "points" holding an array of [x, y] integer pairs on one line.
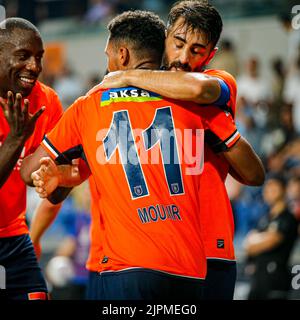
{"points": [[146, 156], [96, 231], [13, 192], [216, 211]]}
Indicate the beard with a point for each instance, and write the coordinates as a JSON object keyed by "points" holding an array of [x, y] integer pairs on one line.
{"points": [[178, 65]]}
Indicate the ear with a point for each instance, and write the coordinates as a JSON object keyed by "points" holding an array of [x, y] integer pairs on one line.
{"points": [[211, 55], [124, 56]]}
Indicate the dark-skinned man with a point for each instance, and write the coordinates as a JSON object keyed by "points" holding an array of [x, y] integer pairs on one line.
{"points": [[23, 123]]}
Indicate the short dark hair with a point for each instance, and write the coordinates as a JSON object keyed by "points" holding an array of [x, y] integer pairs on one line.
{"points": [[276, 177], [10, 24], [144, 30], [197, 15]]}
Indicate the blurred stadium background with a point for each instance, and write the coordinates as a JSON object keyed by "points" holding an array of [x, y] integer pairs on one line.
{"points": [[258, 46]]}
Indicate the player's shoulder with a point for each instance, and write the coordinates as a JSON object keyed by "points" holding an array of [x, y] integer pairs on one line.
{"points": [[97, 90], [221, 74], [86, 102], [43, 95], [43, 88]]}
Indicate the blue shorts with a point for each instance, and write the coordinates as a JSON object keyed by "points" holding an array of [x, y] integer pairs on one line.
{"points": [[146, 284], [93, 286], [220, 280], [20, 268]]}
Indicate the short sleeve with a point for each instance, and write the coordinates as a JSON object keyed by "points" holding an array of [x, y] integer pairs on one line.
{"points": [[56, 111], [63, 142], [221, 133], [227, 99]]}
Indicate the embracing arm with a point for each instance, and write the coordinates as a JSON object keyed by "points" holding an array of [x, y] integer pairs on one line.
{"points": [[246, 166], [187, 86]]}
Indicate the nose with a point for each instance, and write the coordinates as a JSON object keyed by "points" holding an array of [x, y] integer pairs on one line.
{"points": [[184, 56], [34, 65]]}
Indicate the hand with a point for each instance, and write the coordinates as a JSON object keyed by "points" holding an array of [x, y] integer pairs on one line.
{"points": [[46, 178], [21, 122], [115, 79]]}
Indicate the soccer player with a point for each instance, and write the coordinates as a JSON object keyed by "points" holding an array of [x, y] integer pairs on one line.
{"points": [[194, 28], [137, 27], [148, 230], [21, 130]]}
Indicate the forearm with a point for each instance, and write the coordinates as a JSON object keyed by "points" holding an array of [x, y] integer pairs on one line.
{"points": [[245, 163], [9, 154], [237, 177], [262, 242], [32, 163], [187, 86], [42, 219], [70, 176]]}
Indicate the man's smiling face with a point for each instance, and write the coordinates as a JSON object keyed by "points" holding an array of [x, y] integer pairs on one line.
{"points": [[21, 65]]}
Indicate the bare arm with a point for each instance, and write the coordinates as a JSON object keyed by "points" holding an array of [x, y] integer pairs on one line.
{"points": [[32, 163], [259, 242], [21, 125], [246, 165], [186, 86], [42, 219]]}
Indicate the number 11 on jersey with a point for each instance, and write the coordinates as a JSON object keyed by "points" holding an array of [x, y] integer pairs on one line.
{"points": [[161, 131]]}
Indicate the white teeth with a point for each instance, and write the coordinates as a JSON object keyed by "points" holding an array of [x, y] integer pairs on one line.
{"points": [[27, 80]]}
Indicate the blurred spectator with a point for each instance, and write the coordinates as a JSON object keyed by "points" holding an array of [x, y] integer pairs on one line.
{"points": [[277, 85], [68, 86], [245, 120], [66, 271], [251, 85], [293, 41], [286, 160], [278, 78], [270, 245], [226, 58], [93, 80], [99, 10], [282, 134], [293, 196], [291, 93], [256, 91]]}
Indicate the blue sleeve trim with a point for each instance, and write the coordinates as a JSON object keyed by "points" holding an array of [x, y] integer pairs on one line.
{"points": [[225, 94]]}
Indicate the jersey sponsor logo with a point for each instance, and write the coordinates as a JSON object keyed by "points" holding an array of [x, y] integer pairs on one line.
{"points": [[129, 94], [159, 212]]}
